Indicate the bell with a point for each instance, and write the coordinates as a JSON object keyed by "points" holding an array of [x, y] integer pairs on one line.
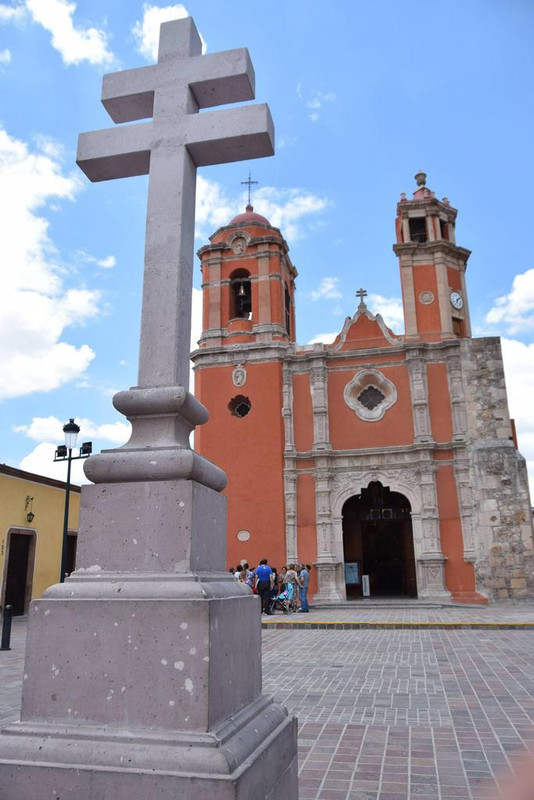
{"points": [[241, 292]]}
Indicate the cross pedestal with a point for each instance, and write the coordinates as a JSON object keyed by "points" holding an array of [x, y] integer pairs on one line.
{"points": [[143, 670]]}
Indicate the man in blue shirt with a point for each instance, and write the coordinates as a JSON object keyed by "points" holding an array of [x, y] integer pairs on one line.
{"points": [[264, 584], [304, 579]]}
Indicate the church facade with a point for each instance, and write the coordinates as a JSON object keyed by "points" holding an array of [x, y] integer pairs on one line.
{"points": [[387, 461]]}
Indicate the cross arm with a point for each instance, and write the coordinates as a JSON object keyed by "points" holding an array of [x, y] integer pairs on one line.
{"points": [[129, 95], [221, 78], [115, 152], [234, 134]]}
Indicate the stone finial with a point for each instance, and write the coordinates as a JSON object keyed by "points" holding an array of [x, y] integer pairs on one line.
{"points": [[420, 177], [249, 208], [403, 196], [361, 293], [446, 201]]}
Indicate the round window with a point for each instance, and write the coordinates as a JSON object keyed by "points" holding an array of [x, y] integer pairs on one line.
{"points": [[239, 406]]}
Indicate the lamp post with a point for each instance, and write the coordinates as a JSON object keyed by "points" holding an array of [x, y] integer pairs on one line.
{"points": [[64, 453]]}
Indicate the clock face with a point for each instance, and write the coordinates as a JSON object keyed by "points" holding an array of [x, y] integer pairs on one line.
{"points": [[457, 300]]}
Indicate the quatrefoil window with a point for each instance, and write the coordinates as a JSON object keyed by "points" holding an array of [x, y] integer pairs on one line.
{"points": [[369, 394], [371, 397]]}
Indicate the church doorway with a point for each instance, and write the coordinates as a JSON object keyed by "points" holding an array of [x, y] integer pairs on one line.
{"points": [[378, 543], [19, 574]]}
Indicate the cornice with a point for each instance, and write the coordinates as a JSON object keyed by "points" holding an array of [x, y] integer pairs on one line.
{"points": [[404, 248], [422, 451], [403, 206], [243, 353]]}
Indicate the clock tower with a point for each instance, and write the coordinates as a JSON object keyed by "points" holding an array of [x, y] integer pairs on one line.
{"points": [[432, 267]]}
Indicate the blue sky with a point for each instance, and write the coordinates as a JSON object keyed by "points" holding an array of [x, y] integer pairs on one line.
{"points": [[363, 95]]}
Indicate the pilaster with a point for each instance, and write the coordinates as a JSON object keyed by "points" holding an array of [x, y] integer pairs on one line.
{"points": [[419, 389], [319, 394]]}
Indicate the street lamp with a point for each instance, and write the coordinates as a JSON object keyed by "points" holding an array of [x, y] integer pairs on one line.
{"points": [[64, 453]]}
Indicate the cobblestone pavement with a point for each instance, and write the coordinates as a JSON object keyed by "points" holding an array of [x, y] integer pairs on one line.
{"points": [[390, 714]]}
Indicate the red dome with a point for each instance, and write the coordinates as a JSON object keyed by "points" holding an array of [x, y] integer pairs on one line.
{"points": [[250, 217]]}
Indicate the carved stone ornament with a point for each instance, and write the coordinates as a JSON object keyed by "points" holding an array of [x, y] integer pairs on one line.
{"points": [[239, 246], [243, 536], [239, 376], [370, 394], [426, 298]]}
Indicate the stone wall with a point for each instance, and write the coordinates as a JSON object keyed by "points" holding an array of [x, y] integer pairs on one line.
{"points": [[504, 562]]}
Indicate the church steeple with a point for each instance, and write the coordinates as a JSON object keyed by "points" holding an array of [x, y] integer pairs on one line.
{"points": [[248, 284], [432, 266]]}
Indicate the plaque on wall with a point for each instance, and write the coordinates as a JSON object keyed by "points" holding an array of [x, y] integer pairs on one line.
{"points": [[426, 298], [239, 375], [352, 573]]}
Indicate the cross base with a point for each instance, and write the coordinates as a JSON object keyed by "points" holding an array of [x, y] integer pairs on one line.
{"points": [[252, 755], [162, 419]]}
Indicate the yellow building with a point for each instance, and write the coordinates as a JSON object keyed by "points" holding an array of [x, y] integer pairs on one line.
{"points": [[32, 510]]}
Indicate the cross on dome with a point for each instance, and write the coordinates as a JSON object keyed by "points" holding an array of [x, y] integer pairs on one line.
{"points": [[249, 183]]}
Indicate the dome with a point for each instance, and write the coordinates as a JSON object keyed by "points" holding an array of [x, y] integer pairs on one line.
{"points": [[249, 217]]}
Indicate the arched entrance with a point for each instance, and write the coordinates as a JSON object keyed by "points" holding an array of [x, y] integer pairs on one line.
{"points": [[378, 542]]}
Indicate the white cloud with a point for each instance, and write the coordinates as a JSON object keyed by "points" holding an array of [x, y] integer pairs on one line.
{"points": [[146, 30], [41, 462], [104, 263], [48, 432], [35, 307], [5, 57], [327, 290], [74, 44], [107, 263], [515, 311], [12, 13], [196, 317], [286, 209], [317, 102], [50, 429], [519, 373], [323, 338], [389, 308], [320, 98], [213, 208]]}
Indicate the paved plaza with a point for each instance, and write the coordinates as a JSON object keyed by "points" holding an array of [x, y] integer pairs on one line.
{"points": [[389, 712]]}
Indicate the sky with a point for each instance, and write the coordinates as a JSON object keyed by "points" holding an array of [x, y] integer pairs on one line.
{"points": [[363, 96]]}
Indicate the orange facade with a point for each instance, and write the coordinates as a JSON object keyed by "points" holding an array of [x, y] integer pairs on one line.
{"points": [[365, 458]]}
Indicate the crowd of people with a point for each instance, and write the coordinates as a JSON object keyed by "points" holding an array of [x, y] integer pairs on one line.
{"points": [[286, 590]]}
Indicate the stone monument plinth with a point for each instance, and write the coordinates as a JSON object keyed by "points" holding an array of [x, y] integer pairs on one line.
{"points": [[143, 670]]}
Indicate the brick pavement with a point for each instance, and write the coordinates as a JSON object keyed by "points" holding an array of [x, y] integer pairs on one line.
{"points": [[405, 714]]}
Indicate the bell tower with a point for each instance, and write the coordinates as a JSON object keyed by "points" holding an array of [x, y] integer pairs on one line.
{"points": [[432, 267], [248, 284]]}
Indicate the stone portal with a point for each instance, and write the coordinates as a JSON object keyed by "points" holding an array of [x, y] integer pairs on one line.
{"points": [[378, 538], [143, 669]]}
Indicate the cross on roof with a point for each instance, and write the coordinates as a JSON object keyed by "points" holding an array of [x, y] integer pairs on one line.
{"points": [[169, 148], [249, 183], [361, 293]]}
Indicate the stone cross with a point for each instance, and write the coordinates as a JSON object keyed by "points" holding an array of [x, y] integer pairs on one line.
{"points": [[169, 148], [150, 603], [361, 293]]}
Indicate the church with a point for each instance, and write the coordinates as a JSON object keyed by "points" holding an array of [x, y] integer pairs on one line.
{"points": [[388, 462]]}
